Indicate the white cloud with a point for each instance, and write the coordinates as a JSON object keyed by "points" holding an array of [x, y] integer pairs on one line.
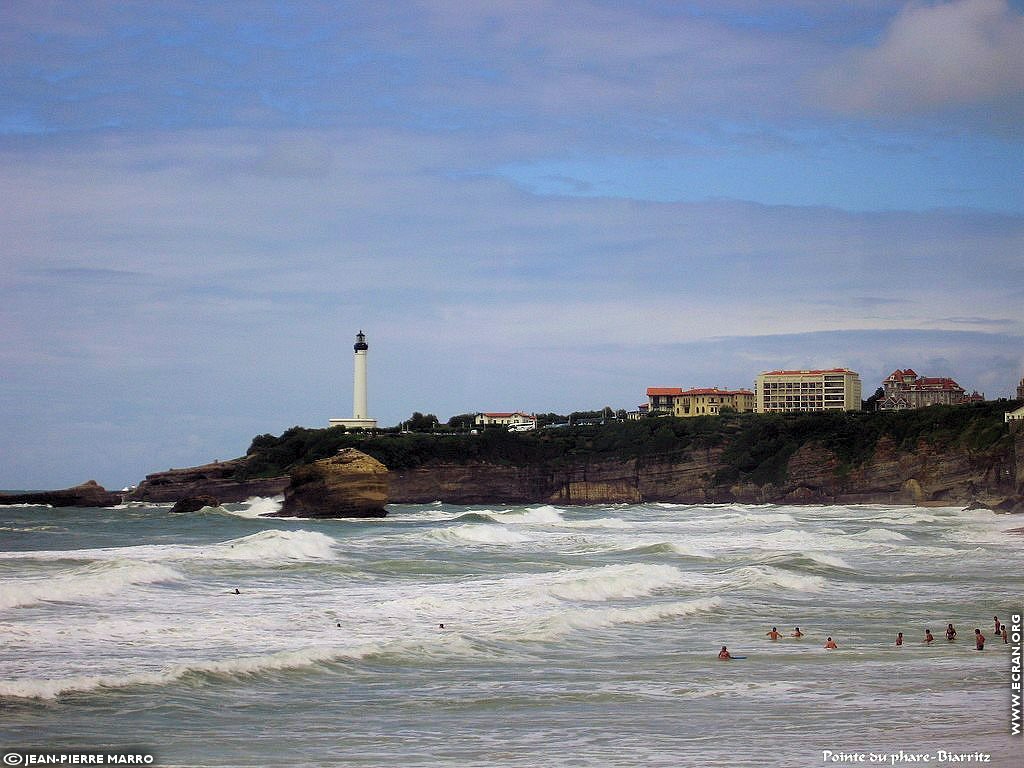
{"points": [[931, 56]]}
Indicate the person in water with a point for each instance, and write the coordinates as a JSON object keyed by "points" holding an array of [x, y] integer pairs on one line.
{"points": [[831, 644], [950, 633], [797, 633], [236, 592], [928, 639], [724, 654], [979, 640], [774, 634], [998, 629], [899, 638], [1006, 640]]}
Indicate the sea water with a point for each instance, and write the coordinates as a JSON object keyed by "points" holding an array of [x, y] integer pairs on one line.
{"points": [[577, 636]]}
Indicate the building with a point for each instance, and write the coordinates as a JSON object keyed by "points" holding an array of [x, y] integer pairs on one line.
{"points": [[685, 403], [1020, 390], [359, 411], [905, 389], [836, 389], [1015, 418], [516, 422]]}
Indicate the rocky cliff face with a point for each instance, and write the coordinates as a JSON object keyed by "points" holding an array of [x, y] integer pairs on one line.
{"points": [[88, 494], [350, 484], [930, 474], [215, 480]]}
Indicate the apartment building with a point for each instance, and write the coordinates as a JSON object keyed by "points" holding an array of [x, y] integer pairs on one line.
{"points": [[698, 402], [836, 389]]}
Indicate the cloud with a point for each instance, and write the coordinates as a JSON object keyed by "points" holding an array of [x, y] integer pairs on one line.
{"points": [[933, 56]]}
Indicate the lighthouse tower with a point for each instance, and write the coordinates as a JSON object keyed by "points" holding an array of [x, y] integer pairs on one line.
{"points": [[359, 410]]}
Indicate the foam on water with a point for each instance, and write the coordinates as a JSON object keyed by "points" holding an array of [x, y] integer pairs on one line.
{"points": [[613, 582], [258, 506], [275, 546], [645, 614], [767, 577], [234, 667], [86, 583], [881, 535], [479, 533]]}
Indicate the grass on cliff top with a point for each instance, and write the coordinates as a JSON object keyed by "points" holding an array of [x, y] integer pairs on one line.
{"points": [[754, 447]]}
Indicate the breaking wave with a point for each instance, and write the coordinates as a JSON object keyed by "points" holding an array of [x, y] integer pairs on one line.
{"points": [[612, 582], [91, 581], [767, 577]]}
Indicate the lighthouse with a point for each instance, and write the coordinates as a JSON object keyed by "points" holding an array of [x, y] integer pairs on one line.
{"points": [[359, 410]]}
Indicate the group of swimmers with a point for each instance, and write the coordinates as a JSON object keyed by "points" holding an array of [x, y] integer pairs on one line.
{"points": [[830, 644]]}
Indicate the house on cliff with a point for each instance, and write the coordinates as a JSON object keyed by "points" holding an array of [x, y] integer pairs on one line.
{"points": [[904, 389], [685, 403]]}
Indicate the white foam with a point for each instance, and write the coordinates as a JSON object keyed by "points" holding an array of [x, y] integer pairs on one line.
{"points": [[276, 546], [282, 660], [613, 582], [258, 506], [545, 515], [880, 535], [765, 576], [481, 533], [91, 581], [645, 614]]}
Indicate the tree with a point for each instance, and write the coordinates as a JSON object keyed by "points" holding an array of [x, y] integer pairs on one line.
{"points": [[419, 422], [871, 404]]}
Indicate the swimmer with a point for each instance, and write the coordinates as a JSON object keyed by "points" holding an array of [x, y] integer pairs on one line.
{"points": [[1005, 636], [998, 625], [899, 639], [236, 592], [774, 634], [979, 640], [440, 626], [928, 639], [797, 633], [950, 633], [831, 644], [724, 654]]}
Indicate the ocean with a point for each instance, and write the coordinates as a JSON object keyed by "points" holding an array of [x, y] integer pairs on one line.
{"points": [[572, 636]]}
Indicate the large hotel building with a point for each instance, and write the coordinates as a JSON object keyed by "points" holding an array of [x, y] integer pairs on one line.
{"points": [[837, 389]]}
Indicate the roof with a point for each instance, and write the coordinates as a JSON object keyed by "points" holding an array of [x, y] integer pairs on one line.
{"points": [[506, 415], [654, 391], [716, 391], [802, 373]]}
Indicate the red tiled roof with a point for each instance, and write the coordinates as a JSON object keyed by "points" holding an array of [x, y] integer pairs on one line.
{"points": [[653, 391], [794, 373], [716, 391], [506, 415]]}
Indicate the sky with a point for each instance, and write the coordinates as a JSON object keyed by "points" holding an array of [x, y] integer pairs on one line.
{"points": [[533, 205]]}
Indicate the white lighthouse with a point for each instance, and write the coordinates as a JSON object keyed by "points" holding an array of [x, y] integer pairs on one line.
{"points": [[359, 411]]}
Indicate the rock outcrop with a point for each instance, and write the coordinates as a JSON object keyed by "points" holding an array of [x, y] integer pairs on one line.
{"points": [[349, 484], [216, 480], [194, 504], [928, 476], [88, 494]]}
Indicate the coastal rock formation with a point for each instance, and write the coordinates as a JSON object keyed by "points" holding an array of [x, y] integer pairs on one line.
{"points": [[216, 480], [349, 484], [88, 494], [929, 475], [194, 503]]}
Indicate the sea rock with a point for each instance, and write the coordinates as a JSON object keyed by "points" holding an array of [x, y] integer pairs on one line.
{"points": [[216, 479], [88, 494], [348, 484], [194, 503]]}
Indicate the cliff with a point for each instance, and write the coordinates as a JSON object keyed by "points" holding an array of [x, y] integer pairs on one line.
{"points": [[954, 455], [348, 484], [218, 480], [88, 494]]}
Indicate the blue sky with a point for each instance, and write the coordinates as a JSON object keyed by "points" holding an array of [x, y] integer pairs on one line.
{"points": [[543, 206]]}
